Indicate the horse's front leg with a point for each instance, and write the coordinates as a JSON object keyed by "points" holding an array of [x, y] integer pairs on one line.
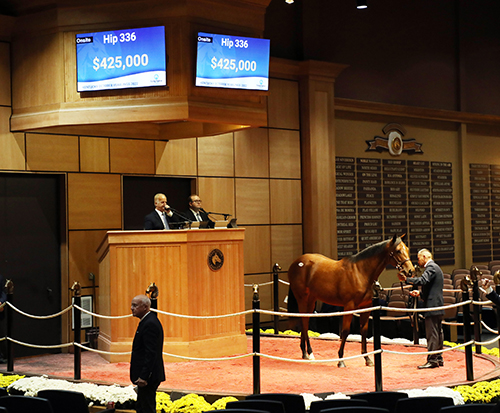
{"points": [[363, 322], [305, 344], [346, 327]]}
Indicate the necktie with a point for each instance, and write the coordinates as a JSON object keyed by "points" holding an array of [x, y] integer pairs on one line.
{"points": [[198, 217], [165, 222]]}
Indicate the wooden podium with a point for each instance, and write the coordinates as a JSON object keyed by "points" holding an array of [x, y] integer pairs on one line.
{"points": [[199, 272]]}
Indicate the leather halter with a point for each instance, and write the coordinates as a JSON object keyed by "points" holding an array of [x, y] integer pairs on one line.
{"points": [[399, 265]]}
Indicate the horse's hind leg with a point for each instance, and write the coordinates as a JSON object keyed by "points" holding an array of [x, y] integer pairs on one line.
{"points": [[363, 322], [306, 306], [305, 343], [346, 327]]}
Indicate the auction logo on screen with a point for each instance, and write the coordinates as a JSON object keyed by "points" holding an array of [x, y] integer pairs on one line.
{"points": [[215, 259]]}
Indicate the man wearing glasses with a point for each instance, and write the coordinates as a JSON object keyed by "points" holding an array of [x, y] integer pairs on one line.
{"points": [[196, 212]]}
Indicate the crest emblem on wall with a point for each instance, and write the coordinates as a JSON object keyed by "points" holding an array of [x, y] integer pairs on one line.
{"points": [[394, 142]]}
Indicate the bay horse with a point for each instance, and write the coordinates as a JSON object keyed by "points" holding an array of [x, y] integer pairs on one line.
{"points": [[347, 283]]}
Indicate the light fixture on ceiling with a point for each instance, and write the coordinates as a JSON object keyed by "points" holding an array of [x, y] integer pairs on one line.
{"points": [[289, 1], [361, 4]]}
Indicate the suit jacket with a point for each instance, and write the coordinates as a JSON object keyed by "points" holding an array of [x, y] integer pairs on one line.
{"points": [[204, 217], [153, 221], [432, 281], [147, 358], [494, 298]]}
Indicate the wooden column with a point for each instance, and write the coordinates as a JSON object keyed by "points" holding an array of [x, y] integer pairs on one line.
{"points": [[318, 156]]}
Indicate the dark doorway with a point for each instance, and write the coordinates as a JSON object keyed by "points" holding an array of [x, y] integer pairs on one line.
{"points": [[30, 239], [139, 192]]}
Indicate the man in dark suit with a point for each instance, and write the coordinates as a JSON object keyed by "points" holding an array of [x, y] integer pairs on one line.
{"points": [[196, 212], [161, 217], [432, 281], [146, 364], [490, 292]]}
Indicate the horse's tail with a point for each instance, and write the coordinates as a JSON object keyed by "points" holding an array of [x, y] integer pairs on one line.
{"points": [[292, 305]]}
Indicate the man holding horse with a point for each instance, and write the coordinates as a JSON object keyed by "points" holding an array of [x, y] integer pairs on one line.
{"points": [[432, 293]]}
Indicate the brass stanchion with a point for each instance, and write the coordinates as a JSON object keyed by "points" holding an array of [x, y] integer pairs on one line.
{"points": [[256, 339], [9, 287], [276, 296], [77, 333]]}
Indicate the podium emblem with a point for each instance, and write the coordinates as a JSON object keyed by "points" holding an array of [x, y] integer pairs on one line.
{"points": [[215, 259]]}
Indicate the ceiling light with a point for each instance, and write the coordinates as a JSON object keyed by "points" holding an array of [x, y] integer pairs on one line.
{"points": [[289, 1], [361, 4]]}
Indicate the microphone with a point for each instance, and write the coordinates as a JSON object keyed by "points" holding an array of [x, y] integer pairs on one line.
{"points": [[219, 213], [179, 214]]}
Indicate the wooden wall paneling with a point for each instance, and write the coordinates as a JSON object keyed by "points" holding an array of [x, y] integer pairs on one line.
{"points": [[286, 244], [94, 154], [251, 153], [52, 152], [83, 260], [94, 201], [176, 157], [252, 201], [217, 195], [284, 153], [132, 156], [286, 201], [38, 72], [216, 155], [265, 295], [5, 96], [12, 145], [257, 247], [283, 104]]}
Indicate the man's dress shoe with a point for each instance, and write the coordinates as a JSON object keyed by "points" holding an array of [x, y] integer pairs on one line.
{"points": [[429, 365]]}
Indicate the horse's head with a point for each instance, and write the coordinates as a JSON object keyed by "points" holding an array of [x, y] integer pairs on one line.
{"points": [[400, 254], [475, 273]]}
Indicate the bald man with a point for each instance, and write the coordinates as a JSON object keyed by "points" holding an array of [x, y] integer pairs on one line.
{"points": [[161, 217], [432, 281], [146, 364]]}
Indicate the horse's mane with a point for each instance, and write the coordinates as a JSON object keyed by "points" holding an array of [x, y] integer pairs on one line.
{"points": [[371, 250]]}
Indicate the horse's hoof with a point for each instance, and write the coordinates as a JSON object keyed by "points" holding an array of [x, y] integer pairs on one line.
{"points": [[369, 363], [308, 356], [341, 364]]}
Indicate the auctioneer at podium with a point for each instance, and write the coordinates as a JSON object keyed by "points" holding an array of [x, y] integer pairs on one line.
{"points": [[198, 273]]}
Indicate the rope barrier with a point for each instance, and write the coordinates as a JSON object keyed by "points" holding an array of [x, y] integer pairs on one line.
{"points": [[267, 312], [204, 317], [485, 343], [261, 311], [102, 316], [319, 361], [94, 350], [420, 353], [39, 317], [423, 353], [210, 359], [38, 346], [488, 328]]}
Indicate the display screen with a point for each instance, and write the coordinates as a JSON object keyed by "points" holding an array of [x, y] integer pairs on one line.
{"points": [[121, 59], [232, 62]]}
